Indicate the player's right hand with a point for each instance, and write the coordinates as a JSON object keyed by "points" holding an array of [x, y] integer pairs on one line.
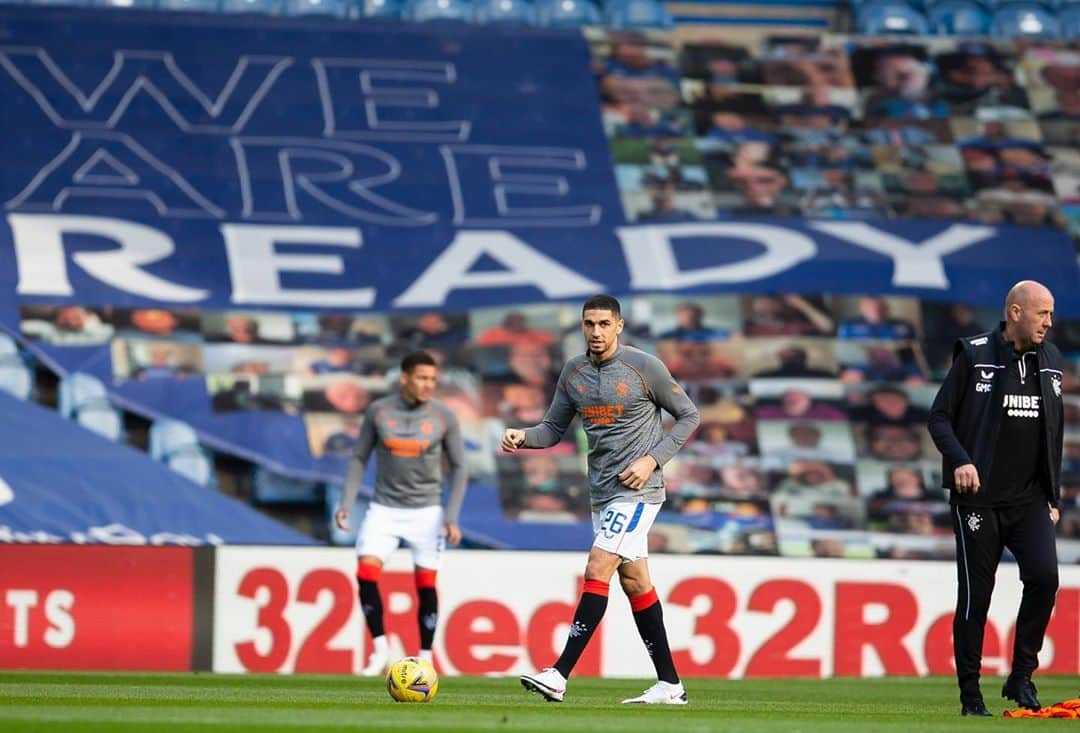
{"points": [[341, 517], [967, 478], [512, 439]]}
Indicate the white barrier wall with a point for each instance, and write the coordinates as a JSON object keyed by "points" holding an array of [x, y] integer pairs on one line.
{"points": [[286, 610]]}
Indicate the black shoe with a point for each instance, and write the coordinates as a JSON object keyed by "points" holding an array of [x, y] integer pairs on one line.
{"points": [[1022, 691], [975, 707]]}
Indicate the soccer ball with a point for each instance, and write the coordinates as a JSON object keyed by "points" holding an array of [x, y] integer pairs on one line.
{"points": [[412, 679]]}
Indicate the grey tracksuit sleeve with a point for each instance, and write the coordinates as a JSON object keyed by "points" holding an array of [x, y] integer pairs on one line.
{"points": [[556, 420], [454, 448], [670, 396], [355, 475]]}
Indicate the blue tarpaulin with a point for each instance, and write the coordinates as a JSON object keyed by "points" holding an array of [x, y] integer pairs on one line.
{"points": [[62, 483]]}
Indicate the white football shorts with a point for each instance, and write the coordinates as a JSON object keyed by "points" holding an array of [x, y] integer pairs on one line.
{"points": [[385, 527], [622, 528]]}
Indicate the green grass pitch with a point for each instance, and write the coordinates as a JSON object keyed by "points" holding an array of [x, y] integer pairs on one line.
{"points": [[178, 703]]}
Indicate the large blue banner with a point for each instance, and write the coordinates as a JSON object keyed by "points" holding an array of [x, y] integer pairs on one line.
{"points": [[226, 162]]}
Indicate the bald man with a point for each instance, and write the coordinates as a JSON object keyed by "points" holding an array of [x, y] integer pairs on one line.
{"points": [[997, 421]]}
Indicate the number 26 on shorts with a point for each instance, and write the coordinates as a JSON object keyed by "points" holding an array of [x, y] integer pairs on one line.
{"points": [[613, 523]]}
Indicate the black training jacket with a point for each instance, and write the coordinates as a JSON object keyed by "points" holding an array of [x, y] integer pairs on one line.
{"points": [[966, 415]]}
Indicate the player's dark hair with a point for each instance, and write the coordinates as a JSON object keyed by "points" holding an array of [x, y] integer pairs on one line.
{"points": [[602, 302], [415, 359]]}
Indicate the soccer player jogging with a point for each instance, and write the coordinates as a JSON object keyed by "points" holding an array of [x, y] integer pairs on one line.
{"points": [[410, 433], [618, 391], [997, 421]]}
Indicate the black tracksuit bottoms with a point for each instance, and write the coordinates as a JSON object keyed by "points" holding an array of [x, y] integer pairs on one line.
{"points": [[981, 535]]}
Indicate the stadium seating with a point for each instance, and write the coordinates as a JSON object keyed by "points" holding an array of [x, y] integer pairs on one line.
{"points": [[329, 8], [890, 17], [7, 345], [138, 4], [427, 10], [175, 443], [566, 13], [269, 487], [197, 6], [1016, 19], [959, 18], [518, 12], [263, 7], [1069, 17], [15, 376], [636, 14], [83, 398], [379, 8]]}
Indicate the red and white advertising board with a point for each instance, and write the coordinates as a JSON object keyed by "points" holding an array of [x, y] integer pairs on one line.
{"points": [[96, 607], [295, 610]]}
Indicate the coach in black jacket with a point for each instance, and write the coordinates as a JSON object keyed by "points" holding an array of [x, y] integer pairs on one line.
{"points": [[997, 421]]}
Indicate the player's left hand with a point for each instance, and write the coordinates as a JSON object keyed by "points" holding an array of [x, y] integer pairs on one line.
{"points": [[341, 517], [453, 534], [1055, 515], [637, 473]]}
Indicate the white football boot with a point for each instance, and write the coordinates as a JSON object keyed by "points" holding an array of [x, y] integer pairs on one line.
{"points": [[662, 693], [379, 661], [548, 682], [377, 665]]}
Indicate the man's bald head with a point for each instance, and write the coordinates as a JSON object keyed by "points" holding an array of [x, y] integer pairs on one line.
{"points": [[1029, 312], [1023, 292]]}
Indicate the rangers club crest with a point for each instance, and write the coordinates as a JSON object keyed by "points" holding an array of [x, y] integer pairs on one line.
{"points": [[974, 521]]}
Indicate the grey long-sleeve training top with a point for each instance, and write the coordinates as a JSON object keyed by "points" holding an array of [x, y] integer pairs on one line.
{"points": [[619, 402], [409, 440]]}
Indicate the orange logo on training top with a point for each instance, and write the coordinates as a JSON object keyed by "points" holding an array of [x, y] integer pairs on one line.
{"points": [[622, 389], [425, 427], [601, 414], [406, 447]]}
